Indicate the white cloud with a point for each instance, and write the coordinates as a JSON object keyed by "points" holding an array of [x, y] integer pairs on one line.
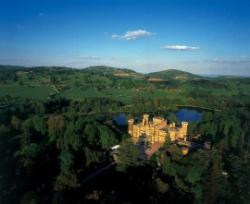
{"points": [[114, 36], [133, 35], [181, 47]]}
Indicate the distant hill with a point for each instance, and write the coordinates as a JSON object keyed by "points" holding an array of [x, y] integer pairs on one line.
{"points": [[119, 72], [11, 67], [231, 77], [50, 68], [165, 75], [171, 74]]}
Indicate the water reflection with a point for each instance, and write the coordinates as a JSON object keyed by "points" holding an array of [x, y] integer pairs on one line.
{"points": [[189, 115], [121, 119]]}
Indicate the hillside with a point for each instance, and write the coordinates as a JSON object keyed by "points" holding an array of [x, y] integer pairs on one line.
{"points": [[118, 84], [106, 70], [172, 74], [115, 71]]}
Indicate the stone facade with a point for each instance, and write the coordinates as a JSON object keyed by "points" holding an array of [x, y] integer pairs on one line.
{"points": [[157, 130]]}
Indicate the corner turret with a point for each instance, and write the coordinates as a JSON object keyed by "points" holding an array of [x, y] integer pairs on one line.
{"points": [[130, 126], [183, 130], [145, 119]]}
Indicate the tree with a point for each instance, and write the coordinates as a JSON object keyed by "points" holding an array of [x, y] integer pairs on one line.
{"points": [[30, 198], [107, 138], [213, 184], [70, 138], [66, 180], [129, 155], [39, 124], [239, 177], [27, 127], [172, 118], [15, 122], [30, 150], [93, 156], [91, 134], [56, 125], [161, 186], [9, 166], [186, 173], [40, 107], [66, 160]]}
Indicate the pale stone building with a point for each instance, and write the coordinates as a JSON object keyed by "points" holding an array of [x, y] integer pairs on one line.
{"points": [[156, 131]]}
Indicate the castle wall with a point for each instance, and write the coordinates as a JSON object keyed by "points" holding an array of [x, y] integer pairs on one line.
{"points": [[156, 131]]}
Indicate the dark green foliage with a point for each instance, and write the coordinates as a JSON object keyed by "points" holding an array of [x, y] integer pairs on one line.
{"points": [[172, 117], [66, 180], [29, 151], [129, 155], [238, 168], [94, 156], [91, 131], [56, 125], [50, 152], [161, 186], [214, 186], [66, 161], [107, 137], [39, 124], [30, 198], [188, 173]]}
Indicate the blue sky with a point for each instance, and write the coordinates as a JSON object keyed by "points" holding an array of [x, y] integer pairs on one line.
{"points": [[203, 37]]}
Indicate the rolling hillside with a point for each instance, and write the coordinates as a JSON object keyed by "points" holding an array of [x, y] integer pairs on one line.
{"points": [[106, 70], [114, 83], [172, 74]]}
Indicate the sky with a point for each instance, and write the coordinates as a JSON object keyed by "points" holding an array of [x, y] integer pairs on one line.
{"points": [[202, 37]]}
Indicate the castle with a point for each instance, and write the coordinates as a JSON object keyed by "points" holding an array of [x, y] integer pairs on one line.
{"points": [[156, 131]]}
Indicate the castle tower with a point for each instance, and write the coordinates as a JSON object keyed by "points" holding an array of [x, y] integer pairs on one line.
{"points": [[172, 134], [145, 119], [130, 126], [183, 130]]}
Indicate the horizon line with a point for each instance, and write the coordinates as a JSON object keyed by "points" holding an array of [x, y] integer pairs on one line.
{"points": [[167, 69]]}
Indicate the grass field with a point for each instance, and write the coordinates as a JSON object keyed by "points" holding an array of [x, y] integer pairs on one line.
{"points": [[15, 90], [124, 95], [95, 83]]}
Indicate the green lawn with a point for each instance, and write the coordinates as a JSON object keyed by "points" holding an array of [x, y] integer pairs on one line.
{"points": [[78, 93], [15, 90], [116, 94]]}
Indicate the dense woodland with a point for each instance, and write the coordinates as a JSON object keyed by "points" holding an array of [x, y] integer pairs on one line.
{"points": [[57, 126]]}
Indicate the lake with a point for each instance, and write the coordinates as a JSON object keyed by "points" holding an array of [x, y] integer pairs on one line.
{"points": [[184, 114], [121, 119], [189, 115]]}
